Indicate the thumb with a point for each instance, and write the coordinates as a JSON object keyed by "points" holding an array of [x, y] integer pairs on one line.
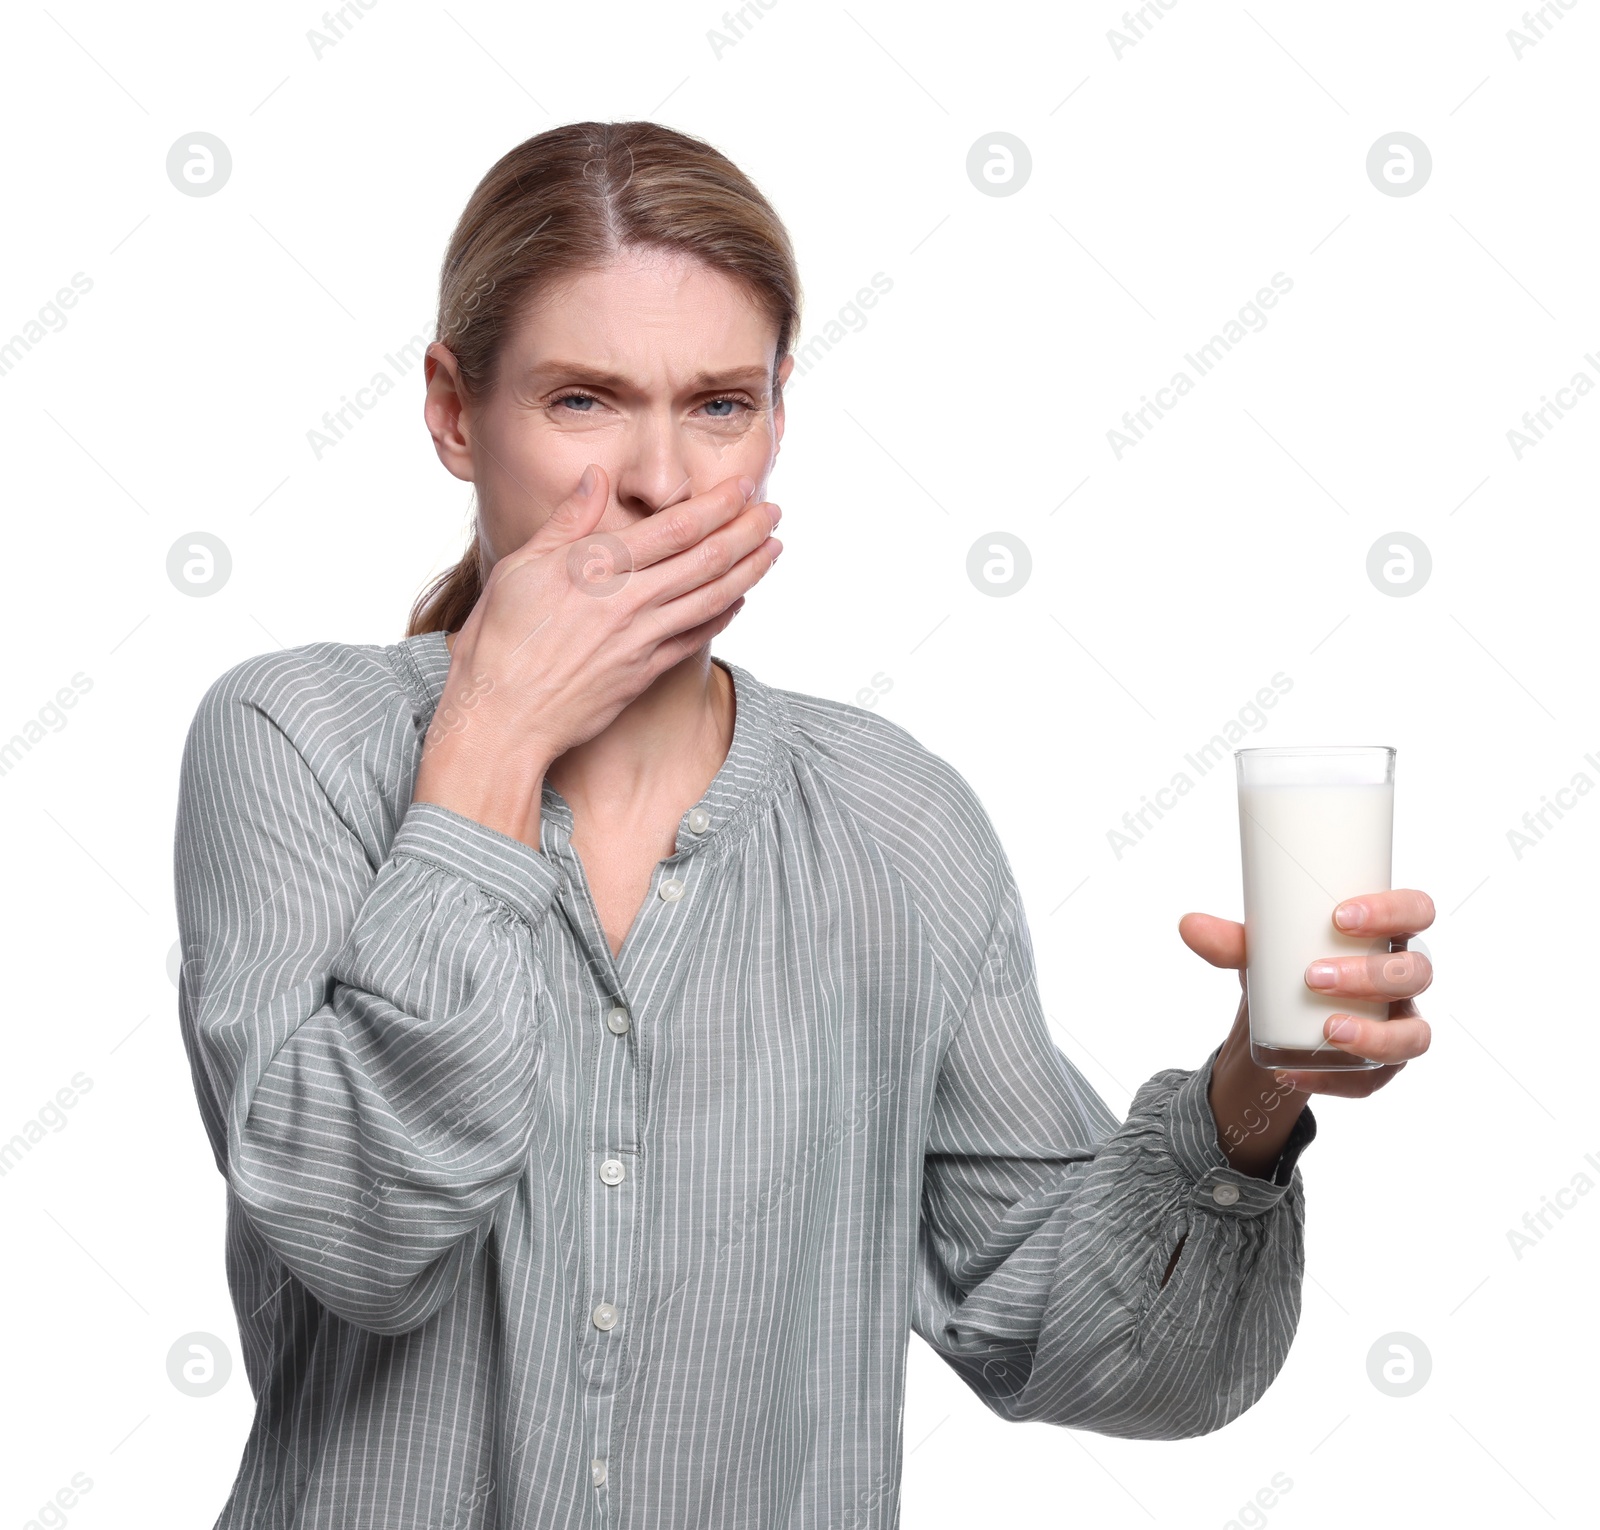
{"points": [[1218, 941], [581, 511]]}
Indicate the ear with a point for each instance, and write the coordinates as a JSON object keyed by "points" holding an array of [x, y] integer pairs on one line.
{"points": [[445, 409]]}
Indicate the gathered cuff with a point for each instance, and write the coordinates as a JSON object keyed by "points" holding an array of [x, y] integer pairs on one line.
{"points": [[1192, 1138], [524, 879]]}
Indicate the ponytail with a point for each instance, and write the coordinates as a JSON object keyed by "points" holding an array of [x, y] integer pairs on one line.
{"points": [[446, 603]]}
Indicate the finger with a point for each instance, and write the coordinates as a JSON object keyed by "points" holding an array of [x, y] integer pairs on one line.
{"points": [[1404, 911], [1355, 1084], [711, 557], [1379, 1041], [702, 603], [674, 649], [1390, 975], [675, 527], [1219, 941]]}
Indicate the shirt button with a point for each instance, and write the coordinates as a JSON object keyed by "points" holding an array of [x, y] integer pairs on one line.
{"points": [[617, 1021], [699, 820], [597, 1470], [612, 1172], [1224, 1193], [671, 890], [605, 1316]]}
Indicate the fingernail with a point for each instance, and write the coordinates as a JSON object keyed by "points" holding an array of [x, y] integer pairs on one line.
{"points": [[748, 486], [1322, 974], [1349, 916], [777, 514], [1280, 1077], [1341, 1028], [586, 483]]}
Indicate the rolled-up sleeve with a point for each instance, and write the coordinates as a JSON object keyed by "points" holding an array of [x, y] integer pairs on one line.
{"points": [[362, 1028], [1047, 1228]]}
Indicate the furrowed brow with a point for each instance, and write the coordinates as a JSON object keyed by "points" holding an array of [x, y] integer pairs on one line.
{"points": [[582, 372]]}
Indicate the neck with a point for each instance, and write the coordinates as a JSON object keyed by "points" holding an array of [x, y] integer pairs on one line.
{"points": [[666, 745]]}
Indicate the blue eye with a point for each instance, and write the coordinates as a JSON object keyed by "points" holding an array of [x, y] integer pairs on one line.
{"points": [[744, 404], [587, 398]]}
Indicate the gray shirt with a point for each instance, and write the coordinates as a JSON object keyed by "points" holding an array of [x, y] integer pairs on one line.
{"points": [[523, 1236]]}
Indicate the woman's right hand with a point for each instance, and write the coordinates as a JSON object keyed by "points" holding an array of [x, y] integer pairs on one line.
{"points": [[571, 627]]}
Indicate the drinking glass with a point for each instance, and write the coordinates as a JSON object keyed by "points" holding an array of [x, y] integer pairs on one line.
{"points": [[1316, 826]]}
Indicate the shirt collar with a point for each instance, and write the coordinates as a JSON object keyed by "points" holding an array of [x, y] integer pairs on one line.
{"points": [[746, 782]]}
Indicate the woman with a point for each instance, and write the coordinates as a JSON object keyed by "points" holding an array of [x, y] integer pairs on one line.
{"points": [[611, 1057]]}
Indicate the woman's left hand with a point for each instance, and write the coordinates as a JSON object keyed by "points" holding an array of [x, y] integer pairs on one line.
{"points": [[1239, 1086]]}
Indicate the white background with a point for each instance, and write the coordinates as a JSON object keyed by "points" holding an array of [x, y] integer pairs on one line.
{"points": [[1168, 185]]}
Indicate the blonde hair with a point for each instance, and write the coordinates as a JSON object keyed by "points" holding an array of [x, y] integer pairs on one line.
{"points": [[570, 200]]}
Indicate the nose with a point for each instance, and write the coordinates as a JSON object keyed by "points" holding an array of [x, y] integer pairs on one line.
{"points": [[656, 466]]}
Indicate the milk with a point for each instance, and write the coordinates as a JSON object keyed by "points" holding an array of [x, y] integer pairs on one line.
{"points": [[1306, 848]]}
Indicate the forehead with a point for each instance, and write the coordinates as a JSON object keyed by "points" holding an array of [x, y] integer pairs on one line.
{"points": [[647, 305]]}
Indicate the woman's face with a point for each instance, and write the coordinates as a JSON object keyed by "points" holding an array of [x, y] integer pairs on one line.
{"points": [[657, 368]]}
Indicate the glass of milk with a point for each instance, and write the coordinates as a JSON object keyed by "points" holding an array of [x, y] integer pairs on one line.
{"points": [[1316, 826]]}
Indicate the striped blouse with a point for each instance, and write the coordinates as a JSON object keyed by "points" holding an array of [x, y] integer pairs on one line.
{"points": [[521, 1235]]}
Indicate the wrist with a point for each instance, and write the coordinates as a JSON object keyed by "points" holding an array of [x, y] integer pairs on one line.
{"points": [[499, 789], [1254, 1113]]}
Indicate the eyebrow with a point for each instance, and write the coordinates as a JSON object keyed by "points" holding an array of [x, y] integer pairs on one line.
{"points": [[581, 372]]}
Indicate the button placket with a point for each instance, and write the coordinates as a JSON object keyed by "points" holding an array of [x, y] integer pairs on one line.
{"points": [[610, 1233], [610, 1226]]}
